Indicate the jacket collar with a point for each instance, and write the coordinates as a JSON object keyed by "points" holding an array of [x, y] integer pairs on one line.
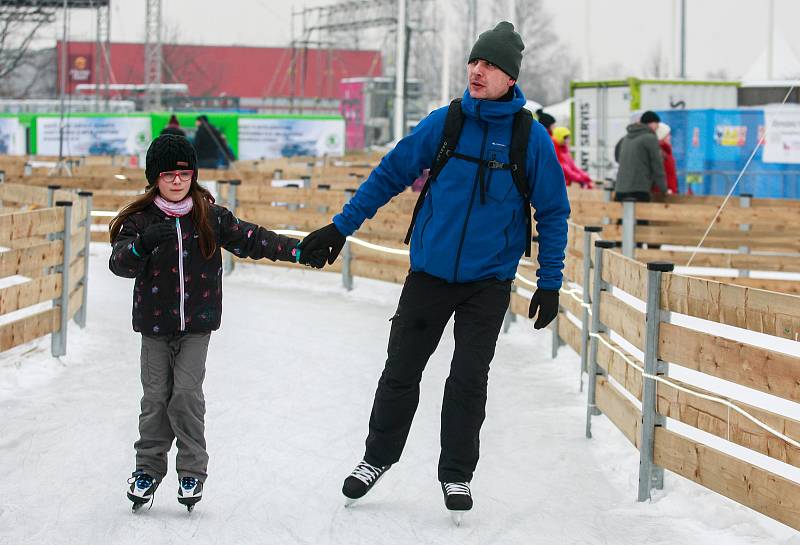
{"points": [[493, 110]]}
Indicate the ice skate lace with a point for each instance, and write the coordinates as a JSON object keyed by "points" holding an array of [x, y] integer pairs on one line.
{"points": [[457, 488], [366, 473]]}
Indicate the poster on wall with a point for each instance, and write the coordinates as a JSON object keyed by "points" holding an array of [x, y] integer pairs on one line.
{"points": [[274, 138], [352, 109], [12, 137], [94, 135], [782, 143]]}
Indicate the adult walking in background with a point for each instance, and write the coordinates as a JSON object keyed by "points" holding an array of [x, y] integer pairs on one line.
{"points": [[641, 165]]}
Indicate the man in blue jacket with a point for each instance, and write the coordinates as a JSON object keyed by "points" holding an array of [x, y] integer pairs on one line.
{"points": [[466, 244]]}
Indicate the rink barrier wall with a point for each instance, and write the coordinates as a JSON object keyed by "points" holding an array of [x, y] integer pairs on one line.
{"points": [[44, 268], [640, 398]]}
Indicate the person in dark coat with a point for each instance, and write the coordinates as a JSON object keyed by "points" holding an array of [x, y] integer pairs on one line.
{"points": [[212, 148], [173, 127], [641, 165]]}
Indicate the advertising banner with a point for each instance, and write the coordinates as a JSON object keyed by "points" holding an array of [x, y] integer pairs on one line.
{"points": [[271, 138], [782, 144], [94, 135], [12, 137], [80, 69], [352, 109]]}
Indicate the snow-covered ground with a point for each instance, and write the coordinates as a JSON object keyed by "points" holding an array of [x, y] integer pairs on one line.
{"points": [[289, 386]]}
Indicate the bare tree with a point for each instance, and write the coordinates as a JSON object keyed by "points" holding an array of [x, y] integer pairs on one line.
{"points": [[547, 65], [18, 27], [656, 64]]}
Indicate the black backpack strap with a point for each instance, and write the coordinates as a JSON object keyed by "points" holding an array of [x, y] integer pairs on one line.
{"points": [[520, 134], [447, 147]]}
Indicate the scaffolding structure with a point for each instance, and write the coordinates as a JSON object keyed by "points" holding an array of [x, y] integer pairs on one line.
{"points": [[153, 56], [351, 24]]}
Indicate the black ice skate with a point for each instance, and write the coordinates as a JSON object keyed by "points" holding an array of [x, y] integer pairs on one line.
{"points": [[457, 499], [190, 491], [142, 488], [361, 480]]}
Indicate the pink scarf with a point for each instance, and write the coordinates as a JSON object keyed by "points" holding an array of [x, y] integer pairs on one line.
{"points": [[174, 209]]}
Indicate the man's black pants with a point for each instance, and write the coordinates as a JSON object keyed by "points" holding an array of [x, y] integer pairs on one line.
{"points": [[425, 307]]}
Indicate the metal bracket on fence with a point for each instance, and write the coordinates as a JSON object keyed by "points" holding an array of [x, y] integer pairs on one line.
{"points": [[587, 268], [745, 201], [555, 339], [347, 252], [80, 316], [608, 191], [277, 174], [58, 340], [597, 327], [323, 208], [628, 227], [306, 181], [650, 475], [227, 262], [27, 170], [510, 317]]}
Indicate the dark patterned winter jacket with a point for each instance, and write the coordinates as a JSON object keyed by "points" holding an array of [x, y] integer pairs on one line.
{"points": [[171, 294]]}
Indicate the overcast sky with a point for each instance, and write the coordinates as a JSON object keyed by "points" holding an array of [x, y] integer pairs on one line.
{"points": [[724, 35]]}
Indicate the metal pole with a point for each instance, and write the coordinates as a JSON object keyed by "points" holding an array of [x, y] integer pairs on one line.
{"points": [[628, 227], [770, 39], [2, 176], [683, 39], [555, 340], [399, 72], [745, 201], [597, 327], [80, 316], [63, 88], [608, 189], [58, 340], [227, 262], [347, 252], [510, 317], [649, 474], [587, 269], [323, 208]]}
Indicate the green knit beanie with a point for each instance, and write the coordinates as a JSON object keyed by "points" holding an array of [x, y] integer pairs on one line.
{"points": [[501, 46]]}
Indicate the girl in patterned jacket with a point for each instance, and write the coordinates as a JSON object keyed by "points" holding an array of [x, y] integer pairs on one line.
{"points": [[169, 240]]}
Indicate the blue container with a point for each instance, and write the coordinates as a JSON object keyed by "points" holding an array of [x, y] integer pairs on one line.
{"points": [[711, 147]]}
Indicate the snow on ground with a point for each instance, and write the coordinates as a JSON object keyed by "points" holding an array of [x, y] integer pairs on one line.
{"points": [[289, 386]]}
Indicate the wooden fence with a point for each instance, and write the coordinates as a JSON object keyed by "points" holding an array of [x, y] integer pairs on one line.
{"points": [[638, 395], [44, 265]]}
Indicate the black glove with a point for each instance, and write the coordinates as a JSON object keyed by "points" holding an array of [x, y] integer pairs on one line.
{"points": [[155, 235], [326, 240], [546, 303]]}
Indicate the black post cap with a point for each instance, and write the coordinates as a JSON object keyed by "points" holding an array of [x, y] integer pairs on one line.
{"points": [[629, 199], [85, 193], [592, 229], [54, 187], [222, 181], [661, 266], [746, 196], [63, 203], [605, 244], [535, 238], [351, 190], [235, 182], [324, 186]]}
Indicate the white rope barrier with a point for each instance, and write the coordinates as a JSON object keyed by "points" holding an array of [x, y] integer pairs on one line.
{"points": [[714, 399]]}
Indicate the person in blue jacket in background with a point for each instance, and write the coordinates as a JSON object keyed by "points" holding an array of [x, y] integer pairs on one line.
{"points": [[467, 241]]}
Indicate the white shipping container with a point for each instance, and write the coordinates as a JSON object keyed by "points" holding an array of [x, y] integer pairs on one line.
{"points": [[603, 109]]}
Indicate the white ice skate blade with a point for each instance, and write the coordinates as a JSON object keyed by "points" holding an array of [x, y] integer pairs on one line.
{"points": [[457, 517]]}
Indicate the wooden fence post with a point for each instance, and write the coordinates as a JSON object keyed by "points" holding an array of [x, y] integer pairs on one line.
{"points": [[58, 340], [650, 475]]}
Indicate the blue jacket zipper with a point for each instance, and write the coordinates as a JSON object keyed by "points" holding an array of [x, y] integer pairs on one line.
{"points": [[472, 196]]}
